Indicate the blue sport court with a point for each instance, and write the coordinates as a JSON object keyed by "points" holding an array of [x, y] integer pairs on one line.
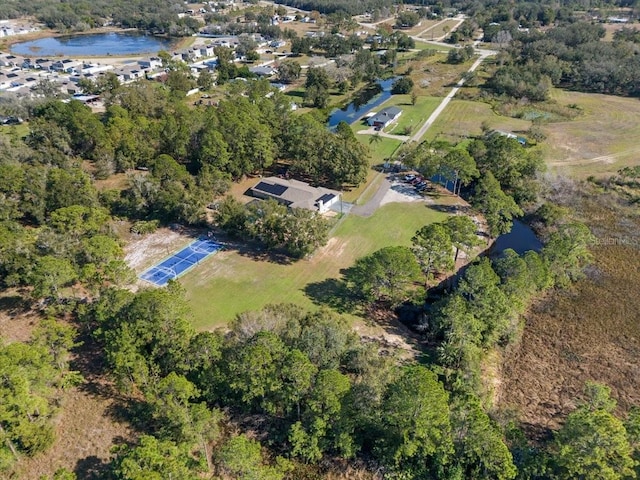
{"points": [[181, 262]]}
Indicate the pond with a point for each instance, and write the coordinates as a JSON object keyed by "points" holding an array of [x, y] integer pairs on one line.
{"points": [[367, 100], [99, 44], [521, 239]]}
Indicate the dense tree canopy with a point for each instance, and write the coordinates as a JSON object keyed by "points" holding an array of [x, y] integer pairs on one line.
{"points": [[573, 55], [150, 15]]}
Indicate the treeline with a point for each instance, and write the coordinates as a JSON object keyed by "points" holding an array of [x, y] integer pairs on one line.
{"points": [[572, 56], [481, 312], [77, 15], [496, 173], [296, 231], [33, 377], [310, 390], [305, 382], [56, 227], [190, 154], [54, 231], [334, 6]]}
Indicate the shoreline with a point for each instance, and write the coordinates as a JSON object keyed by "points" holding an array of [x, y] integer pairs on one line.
{"points": [[5, 46]]}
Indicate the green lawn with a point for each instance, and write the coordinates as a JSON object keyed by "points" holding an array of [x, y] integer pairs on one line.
{"points": [[430, 46], [384, 148], [231, 282], [464, 118], [380, 149], [413, 116], [440, 30], [16, 131]]}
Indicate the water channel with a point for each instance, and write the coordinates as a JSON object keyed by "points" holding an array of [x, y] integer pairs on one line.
{"points": [[366, 101]]}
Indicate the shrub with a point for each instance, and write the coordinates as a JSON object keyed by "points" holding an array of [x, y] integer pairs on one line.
{"points": [[401, 86]]}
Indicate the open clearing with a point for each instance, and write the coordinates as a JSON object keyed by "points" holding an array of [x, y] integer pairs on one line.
{"points": [[413, 116], [600, 141], [85, 415], [237, 280], [440, 29], [463, 119]]}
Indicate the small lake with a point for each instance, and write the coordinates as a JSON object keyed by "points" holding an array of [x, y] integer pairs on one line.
{"points": [[369, 99], [521, 239], [99, 45]]}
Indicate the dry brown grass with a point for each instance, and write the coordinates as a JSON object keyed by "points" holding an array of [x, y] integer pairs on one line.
{"points": [[87, 423], [590, 332], [611, 28], [17, 321], [600, 141], [118, 181], [433, 77], [85, 432]]}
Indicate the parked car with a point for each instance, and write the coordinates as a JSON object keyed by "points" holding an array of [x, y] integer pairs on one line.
{"points": [[409, 177], [416, 180], [421, 187]]}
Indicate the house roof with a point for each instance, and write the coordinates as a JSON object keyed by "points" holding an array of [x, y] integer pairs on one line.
{"points": [[262, 70], [294, 193], [385, 115], [390, 111]]}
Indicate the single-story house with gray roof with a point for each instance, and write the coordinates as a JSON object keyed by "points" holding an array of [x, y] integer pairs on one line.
{"points": [[295, 194], [384, 117], [263, 71]]}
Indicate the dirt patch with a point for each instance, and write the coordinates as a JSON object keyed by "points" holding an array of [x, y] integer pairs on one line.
{"points": [[17, 319], [85, 433], [144, 251], [605, 159], [333, 248], [394, 338]]}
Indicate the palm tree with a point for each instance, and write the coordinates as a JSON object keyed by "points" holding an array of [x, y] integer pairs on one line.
{"points": [[375, 138]]}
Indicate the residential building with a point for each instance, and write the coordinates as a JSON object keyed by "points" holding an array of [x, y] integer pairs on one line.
{"points": [[296, 194], [384, 117]]}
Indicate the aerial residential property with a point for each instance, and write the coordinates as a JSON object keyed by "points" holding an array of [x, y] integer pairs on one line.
{"points": [[319, 239]]}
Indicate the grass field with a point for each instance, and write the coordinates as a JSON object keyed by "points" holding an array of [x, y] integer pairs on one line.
{"points": [[380, 150], [413, 116], [600, 141], [440, 30], [15, 131], [432, 76], [233, 281], [464, 118], [424, 24]]}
